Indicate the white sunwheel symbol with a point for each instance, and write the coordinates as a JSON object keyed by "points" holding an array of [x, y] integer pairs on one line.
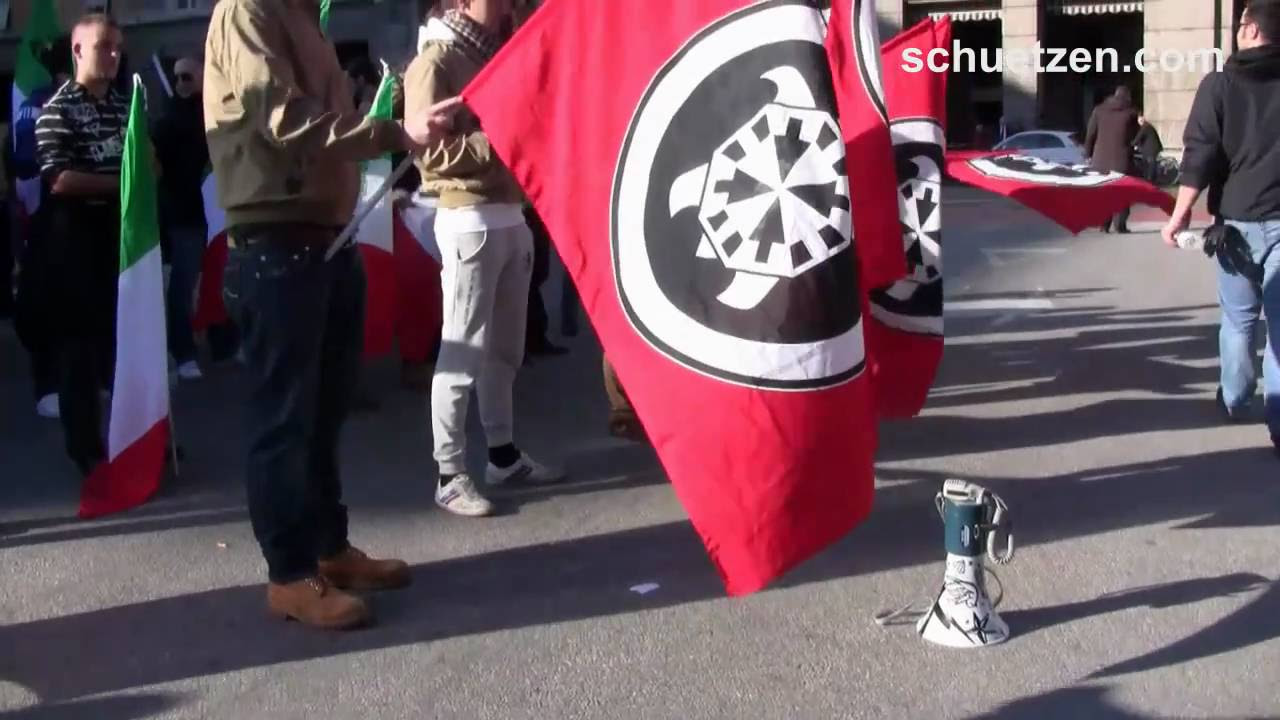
{"points": [[773, 202]]}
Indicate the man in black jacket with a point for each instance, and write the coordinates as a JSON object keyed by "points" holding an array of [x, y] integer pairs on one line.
{"points": [[1148, 145], [1232, 146], [184, 158]]}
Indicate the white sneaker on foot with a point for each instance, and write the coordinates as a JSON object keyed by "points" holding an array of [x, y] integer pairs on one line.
{"points": [[460, 497], [47, 407], [525, 470], [190, 370]]}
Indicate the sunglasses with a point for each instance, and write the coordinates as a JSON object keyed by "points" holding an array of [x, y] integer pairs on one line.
{"points": [[186, 77]]}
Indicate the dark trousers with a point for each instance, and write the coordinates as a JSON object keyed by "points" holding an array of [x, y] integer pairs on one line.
{"points": [[84, 268], [537, 324], [7, 254], [301, 324], [35, 317]]}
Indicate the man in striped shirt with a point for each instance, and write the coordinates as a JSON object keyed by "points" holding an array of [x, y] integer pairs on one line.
{"points": [[79, 143]]}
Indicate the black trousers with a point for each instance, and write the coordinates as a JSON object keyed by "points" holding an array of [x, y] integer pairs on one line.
{"points": [[537, 324], [84, 270], [7, 255], [35, 317], [301, 323]]}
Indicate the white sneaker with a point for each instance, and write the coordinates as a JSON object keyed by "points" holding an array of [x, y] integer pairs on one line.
{"points": [[47, 407], [460, 497], [190, 370], [525, 470]]}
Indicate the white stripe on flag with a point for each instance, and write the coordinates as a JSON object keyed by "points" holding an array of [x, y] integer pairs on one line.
{"points": [[141, 393], [375, 230]]}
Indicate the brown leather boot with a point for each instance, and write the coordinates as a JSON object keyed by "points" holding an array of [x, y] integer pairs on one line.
{"points": [[353, 570], [313, 602]]}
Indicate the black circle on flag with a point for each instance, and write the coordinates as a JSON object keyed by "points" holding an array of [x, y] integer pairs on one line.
{"points": [[731, 224], [914, 304], [1028, 168]]}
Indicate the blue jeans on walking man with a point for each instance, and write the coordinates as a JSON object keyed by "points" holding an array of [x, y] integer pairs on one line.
{"points": [[1243, 303]]}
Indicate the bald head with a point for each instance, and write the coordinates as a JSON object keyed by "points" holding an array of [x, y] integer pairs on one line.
{"points": [[188, 74], [96, 45]]}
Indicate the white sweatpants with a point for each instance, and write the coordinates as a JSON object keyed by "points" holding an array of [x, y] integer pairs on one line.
{"points": [[485, 287]]}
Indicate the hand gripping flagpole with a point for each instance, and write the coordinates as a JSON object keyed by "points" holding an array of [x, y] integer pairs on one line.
{"points": [[370, 206]]}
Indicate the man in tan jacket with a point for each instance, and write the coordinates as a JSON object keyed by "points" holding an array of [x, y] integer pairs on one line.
{"points": [[285, 140], [487, 258]]}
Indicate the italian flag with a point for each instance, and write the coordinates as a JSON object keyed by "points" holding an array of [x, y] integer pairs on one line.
{"points": [[376, 240], [419, 304], [29, 77], [138, 434], [209, 308]]}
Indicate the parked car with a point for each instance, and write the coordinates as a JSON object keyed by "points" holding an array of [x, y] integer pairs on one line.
{"points": [[1057, 146]]}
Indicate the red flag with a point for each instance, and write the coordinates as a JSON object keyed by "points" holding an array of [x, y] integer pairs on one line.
{"points": [[904, 332], [854, 50], [209, 308], [689, 166], [1074, 196]]}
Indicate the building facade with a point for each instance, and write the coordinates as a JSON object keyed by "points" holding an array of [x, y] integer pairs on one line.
{"points": [[1184, 39]]}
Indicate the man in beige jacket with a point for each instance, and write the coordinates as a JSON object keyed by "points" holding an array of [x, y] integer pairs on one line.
{"points": [[487, 259], [285, 140]]}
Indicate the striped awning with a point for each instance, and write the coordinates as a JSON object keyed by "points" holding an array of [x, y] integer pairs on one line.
{"points": [[968, 15], [1094, 7]]}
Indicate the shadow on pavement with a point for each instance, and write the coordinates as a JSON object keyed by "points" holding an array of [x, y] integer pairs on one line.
{"points": [[224, 630], [1182, 592], [1077, 703], [131, 707], [1257, 622]]}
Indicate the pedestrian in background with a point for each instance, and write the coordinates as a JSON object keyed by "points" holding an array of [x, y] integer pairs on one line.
{"points": [[1109, 143], [183, 154], [1148, 146]]}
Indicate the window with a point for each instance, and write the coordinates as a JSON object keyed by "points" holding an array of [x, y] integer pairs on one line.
{"points": [[1052, 141]]}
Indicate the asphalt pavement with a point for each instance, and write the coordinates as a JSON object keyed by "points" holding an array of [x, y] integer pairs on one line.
{"points": [[1078, 384]]}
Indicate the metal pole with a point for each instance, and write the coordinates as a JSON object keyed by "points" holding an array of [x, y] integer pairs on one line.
{"points": [[369, 207]]}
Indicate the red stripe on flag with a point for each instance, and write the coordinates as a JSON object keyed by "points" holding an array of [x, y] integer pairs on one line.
{"points": [[903, 368], [380, 300], [210, 310], [419, 307], [904, 364], [129, 480]]}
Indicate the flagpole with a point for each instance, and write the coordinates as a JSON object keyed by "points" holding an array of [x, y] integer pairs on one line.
{"points": [[369, 207]]}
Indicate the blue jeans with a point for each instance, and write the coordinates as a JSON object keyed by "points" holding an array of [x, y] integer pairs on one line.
{"points": [[187, 244], [1243, 302]]}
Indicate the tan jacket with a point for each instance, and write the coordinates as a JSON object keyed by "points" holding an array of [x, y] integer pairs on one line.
{"points": [[462, 170], [284, 134]]}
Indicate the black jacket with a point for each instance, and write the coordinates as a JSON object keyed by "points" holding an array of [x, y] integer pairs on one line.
{"points": [[184, 160], [1148, 142], [1232, 140]]}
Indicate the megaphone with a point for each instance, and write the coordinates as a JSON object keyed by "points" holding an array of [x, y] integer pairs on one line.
{"points": [[963, 616]]}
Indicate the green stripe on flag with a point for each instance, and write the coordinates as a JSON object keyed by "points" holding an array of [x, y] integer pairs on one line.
{"points": [[139, 217], [42, 29], [324, 16], [384, 101]]}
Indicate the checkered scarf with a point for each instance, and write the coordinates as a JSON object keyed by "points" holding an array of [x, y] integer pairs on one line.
{"points": [[474, 37]]}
